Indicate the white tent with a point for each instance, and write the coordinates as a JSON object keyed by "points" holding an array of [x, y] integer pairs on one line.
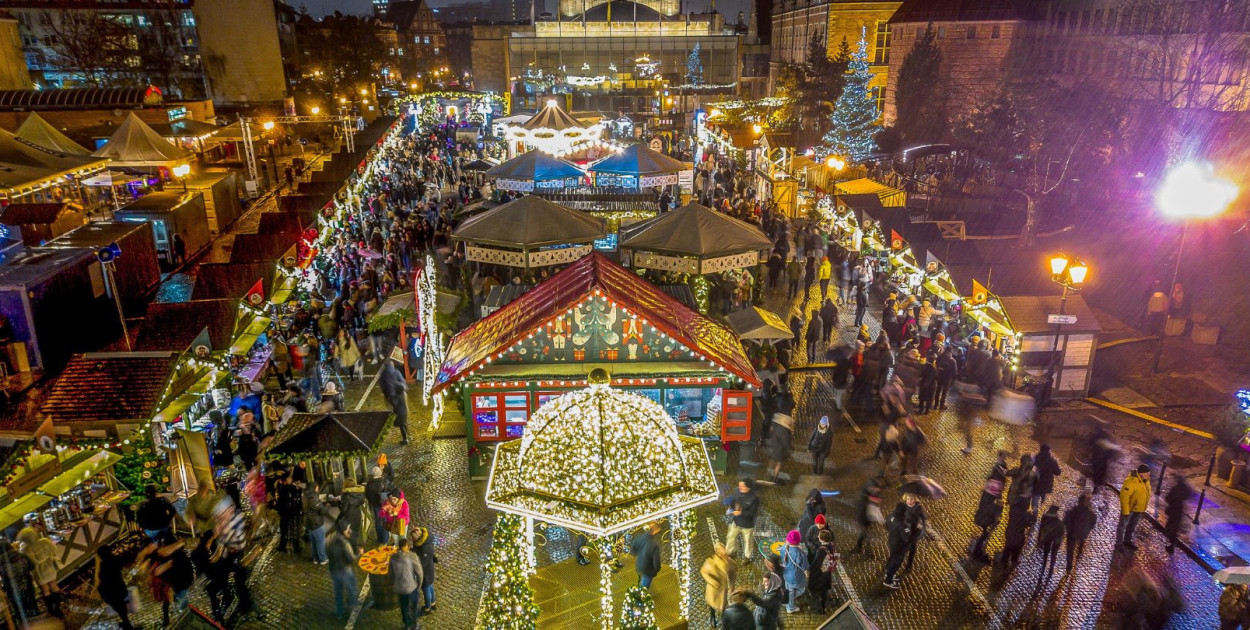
{"points": [[135, 144], [41, 133]]}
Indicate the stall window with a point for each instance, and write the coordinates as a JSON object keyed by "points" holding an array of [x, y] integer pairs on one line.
{"points": [[735, 423], [500, 416], [686, 403]]}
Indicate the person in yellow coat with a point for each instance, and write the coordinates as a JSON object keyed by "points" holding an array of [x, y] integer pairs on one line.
{"points": [[1134, 499], [823, 274], [718, 572]]}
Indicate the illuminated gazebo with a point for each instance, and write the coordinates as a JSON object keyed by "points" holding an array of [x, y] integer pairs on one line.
{"points": [[637, 167], [552, 130], [603, 462], [529, 232], [535, 170], [694, 239]]}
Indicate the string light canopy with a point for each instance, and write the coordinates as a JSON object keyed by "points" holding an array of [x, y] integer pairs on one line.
{"points": [[600, 461], [552, 130]]}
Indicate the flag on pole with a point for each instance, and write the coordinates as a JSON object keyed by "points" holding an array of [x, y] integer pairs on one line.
{"points": [[980, 294], [256, 295]]}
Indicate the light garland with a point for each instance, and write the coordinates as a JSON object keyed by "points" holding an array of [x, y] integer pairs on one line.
{"points": [[638, 610], [433, 350], [682, 524], [604, 546], [508, 600]]}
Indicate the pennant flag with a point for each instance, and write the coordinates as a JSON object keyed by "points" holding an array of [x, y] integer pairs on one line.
{"points": [[980, 294], [45, 436], [256, 295], [931, 263], [202, 345], [896, 240]]}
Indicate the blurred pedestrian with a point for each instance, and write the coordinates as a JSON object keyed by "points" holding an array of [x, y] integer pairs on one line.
{"points": [[1079, 521], [1177, 520], [342, 555], [772, 594], [744, 509], [290, 510], [315, 514], [1049, 535], [395, 390], [43, 554], [109, 582], [990, 508], [900, 535], [1047, 469], [869, 508], [646, 550], [815, 327], [719, 573], [829, 317]]}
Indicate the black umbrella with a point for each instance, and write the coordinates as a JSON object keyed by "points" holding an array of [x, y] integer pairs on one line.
{"points": [[922, 487], [477, 165]]}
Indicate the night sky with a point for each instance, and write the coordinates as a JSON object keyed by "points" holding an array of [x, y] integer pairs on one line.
{"points": [[325, 7]]}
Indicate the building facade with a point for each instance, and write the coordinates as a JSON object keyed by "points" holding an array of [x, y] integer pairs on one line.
{"points": [[625, 57], [255, 74], [976, 42], [13, 72], [73, 43]]}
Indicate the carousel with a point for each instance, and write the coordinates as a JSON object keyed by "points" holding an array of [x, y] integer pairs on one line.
{"points": [[602, 464], [554, 131]]}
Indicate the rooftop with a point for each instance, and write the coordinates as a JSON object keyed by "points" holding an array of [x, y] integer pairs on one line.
{"points": [[116, 386]]}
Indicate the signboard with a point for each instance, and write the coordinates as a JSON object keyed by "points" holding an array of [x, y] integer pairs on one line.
{"points": [[1061, 319], [685, 179], [656, 145], [648, 181], [176, 113], [34, 478]]}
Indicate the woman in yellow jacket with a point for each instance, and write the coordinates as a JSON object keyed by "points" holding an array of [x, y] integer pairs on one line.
{"points": [[1134, 499], [823, 274]]}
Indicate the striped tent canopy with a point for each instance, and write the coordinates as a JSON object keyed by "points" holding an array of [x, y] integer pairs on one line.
{"points": [[552, 117]]}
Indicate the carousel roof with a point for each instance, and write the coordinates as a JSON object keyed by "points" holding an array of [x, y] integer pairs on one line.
{"points": [[534, 166], [552, 117], [695, 230], [600, 461], [530, 221], [637, 159], [359, 432], [570, 286]]}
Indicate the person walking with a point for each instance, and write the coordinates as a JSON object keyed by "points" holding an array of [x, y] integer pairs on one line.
{"points": [[819, 444], [796, 329], [809, 277], [824, 564], [746, 506], [823, 274], [794, 273], [990, 508], [342, 555], [794, 566], [772, 595], [719, 573], [1134, 499], [155, 515], [737, 616], [1177, 495], [405, 570], [1019, 518], [315, 514], [861, 303], [947, 369], [829, 319], [395, 390], [900, 536], [423, 546], [781, 432], [646, 550], [869, 508], [919, 519], [1103, 452], [1047, 469], [110, 582], [1078, 522], [815, 328], [1049, 535], [42, 553], [840, 380], [290, 509]]}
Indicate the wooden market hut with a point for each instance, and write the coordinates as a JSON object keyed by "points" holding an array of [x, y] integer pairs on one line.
{"points": [[337, 443], [109, 394], [529, 232], [595, 313], [1077, 341], [39, 223]]}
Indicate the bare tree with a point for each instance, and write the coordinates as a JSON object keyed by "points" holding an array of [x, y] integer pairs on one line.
{"points": [[90, 44], [159, 51]]}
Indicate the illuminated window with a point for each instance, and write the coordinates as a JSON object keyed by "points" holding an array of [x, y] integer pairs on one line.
{"points": [[881, 53], [878, 97]]}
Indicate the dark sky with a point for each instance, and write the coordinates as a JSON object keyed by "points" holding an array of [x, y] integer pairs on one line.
{"points": [[325, 7]]}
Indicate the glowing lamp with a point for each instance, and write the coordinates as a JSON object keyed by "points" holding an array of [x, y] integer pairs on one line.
{"points": [[182, 170], [268, 125], [756, 128], [551, 102], [1058, 264], [835, 163], [316, 110], [1077, 271], [1193, 190]]}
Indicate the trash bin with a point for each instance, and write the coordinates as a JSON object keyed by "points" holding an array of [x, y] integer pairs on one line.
{"points": [[1239, 469]]}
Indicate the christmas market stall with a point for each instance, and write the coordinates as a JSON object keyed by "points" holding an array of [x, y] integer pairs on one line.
{"points": [[890, 197], [334, 446], [760, 325], [603, 463], [1037, 321], [595, 313], [636, 167], [533, 171], [527, 233]]}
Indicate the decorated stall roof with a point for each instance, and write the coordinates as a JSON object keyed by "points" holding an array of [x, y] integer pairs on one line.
{"points": [[337, 433], [530, 221], [172, 326], [639, 160], [696, 230], [593, 275], [41, 133], [552, 117], [113, 386], [534, 169]]}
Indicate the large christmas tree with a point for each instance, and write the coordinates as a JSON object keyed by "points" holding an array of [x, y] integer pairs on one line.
{"points": [[508, 603], [638, 610], [855, 113]]}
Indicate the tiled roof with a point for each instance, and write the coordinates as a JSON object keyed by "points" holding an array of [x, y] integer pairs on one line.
{"points": [[172, 326], [249, 248], [965, 11], [569, 287], [110, 386]]}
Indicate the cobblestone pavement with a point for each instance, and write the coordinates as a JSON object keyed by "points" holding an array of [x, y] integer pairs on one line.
{"points": [[945, 590]]}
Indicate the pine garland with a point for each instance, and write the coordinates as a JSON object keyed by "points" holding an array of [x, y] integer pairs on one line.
{"points": [[638, 610], [508, 603]]}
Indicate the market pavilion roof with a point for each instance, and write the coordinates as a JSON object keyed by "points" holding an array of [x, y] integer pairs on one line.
{"points": [[473, 347], [337, 433], [110, 386], [637, 159], [530, 222], [695, 230], [552, 117], [600, 461]]}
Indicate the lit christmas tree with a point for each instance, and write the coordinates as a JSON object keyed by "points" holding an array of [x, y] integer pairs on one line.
{"points": [[854, 114], [638, 610], [694, 66], [508, 603]]}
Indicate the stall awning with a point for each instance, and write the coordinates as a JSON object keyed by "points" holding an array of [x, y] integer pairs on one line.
{"points": [[28, 503], [890, 197], [210, 379], [250, 334], [282, 293], [84, 470]]}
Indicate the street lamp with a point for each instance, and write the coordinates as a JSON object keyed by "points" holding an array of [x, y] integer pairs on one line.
{"points": [[267, 125], [315, 111], [1190, 191], [835, 163], [181, 171], [1069, 273]]}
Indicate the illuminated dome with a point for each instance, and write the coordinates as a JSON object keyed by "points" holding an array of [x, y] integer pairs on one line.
{"points": [[600, 461]]}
